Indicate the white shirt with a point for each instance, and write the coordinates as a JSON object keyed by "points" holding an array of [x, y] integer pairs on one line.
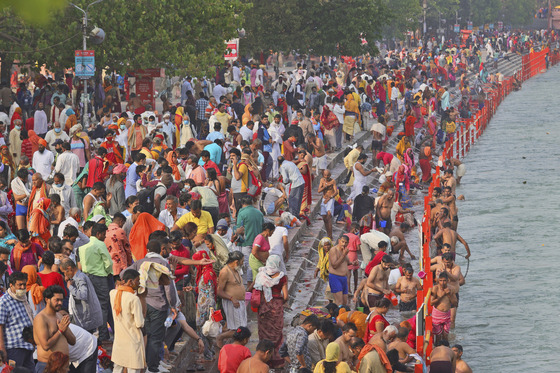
{"points": [[52, 136], [42, 162], [4, 118], [276, 241], [236, 74], [85, 346], [40, 122], [219, 91], [394, 275], [169, 129], [339, 112], [166, 218], [68, 164], [246, 133], [291, 174]]}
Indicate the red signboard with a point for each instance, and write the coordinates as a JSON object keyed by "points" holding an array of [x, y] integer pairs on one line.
{"points": [[232, 49], [84, 53]]}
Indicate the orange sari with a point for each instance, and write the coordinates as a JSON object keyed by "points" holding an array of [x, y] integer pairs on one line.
{"points": [[32, 287], [174, 165], [141, 230], [39, 222]]}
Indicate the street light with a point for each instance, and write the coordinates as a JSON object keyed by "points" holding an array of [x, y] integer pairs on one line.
{"points": [[85, 100]]}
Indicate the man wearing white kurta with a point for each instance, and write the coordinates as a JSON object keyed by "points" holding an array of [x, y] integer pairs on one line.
{"points": [[128, 346]]}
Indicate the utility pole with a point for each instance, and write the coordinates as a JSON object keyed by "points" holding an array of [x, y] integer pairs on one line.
{"points": [[424, 9], [85, 96]]}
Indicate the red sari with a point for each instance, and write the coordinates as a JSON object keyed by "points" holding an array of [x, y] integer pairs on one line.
{"points": [[39, 223], [307, 191]]}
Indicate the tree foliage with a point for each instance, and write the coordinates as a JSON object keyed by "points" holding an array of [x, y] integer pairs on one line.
{"points": [[179, 35], [312, 26]]}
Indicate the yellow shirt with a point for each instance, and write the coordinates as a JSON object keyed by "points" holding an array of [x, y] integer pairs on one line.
{"points": [[204, 223]]}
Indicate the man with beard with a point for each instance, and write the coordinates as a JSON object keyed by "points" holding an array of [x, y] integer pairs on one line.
{"points": [[54, 135], [50, 333]]}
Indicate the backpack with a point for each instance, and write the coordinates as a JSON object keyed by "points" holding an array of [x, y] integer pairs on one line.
{"points": [[450, 127], [27, 99], [255, 185], [146, 199]]}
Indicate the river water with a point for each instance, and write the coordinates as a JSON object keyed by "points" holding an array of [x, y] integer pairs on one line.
{"points": [[509, 306]]}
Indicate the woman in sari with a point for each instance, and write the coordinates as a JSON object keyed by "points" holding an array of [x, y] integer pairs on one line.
{"points": [[402, 146], [34, 140], [7, 238], [247, 114], [308, 188], [39, 222], [273, 284], [332, 362], [9, 166], [351, 115], [34, 289], [145, 225], [217, 184], [206, 284], [425, 163], [172, 160]]}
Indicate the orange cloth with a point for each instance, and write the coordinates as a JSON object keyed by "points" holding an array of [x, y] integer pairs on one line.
{"points": [[70, 122], [32, 287], [34, 139], [39, 223], [141, 230], [382, 356], [356, 317], [247, 116], [174, 165], [118, 297]]}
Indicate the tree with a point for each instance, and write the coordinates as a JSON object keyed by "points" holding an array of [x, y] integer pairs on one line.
{"points": [[179, 35], [312, 26]]}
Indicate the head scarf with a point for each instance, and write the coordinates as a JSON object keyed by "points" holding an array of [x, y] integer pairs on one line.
{"points": [[7, 159], [121, 121], [32, 287], [119, 169], [332, 353], [174, 165], [247, 116], [75, 128], [70, 111], [323, 264], [264, 282], [43, 142], [34, 139], [140, 232]]}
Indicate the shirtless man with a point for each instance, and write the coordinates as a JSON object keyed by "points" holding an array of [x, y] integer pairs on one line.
{"points": [[338, 271], [456, 279], [443, 299], [320, 156], [50, 333], [460, 366], [195, 147], [377, 284], [401, 346], [435, 214], [446, 248], [382, 340], [92, 198], [407, 286], [327, 185], [398, 242], [461, 169], [383, 221], [448, 198], [449, 180], [442, 358], [258, 363], [450, 237]]}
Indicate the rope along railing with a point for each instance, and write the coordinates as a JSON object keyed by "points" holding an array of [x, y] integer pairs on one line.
{"points": [[458, 147]]}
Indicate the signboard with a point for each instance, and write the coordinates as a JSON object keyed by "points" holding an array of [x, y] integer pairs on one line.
{"points": [[469, 25], [85, 63], [491, 26], [500, 25], [457, 27], [232, 50]]}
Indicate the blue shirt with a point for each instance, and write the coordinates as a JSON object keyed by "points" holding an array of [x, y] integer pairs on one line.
{"points": [[131, 179], [215, 153], [14, 318], [214, 136]]}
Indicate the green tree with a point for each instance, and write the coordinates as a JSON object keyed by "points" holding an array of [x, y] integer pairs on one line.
{"points": [[179, 35], [313, 26]]}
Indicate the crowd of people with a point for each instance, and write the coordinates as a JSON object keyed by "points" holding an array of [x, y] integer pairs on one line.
{"points": [[129, 232]]}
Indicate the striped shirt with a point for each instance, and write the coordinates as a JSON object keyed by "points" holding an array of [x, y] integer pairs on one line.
{"points": [[14, 318]]}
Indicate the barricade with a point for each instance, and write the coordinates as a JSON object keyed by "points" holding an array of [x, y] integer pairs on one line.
{"points": [[458, 147]]}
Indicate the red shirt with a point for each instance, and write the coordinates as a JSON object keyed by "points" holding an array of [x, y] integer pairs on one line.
{"points": [[53, 278], [371, 330], [27, 149], [95, 171], [212, 164], [181, 270]]}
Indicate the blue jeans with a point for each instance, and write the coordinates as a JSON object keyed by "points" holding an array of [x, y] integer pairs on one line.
{"points": [[22, 357], [156, 333], [295, 198]]}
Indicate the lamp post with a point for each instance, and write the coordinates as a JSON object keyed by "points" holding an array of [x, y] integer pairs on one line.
{"points": [[84, 98]]}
